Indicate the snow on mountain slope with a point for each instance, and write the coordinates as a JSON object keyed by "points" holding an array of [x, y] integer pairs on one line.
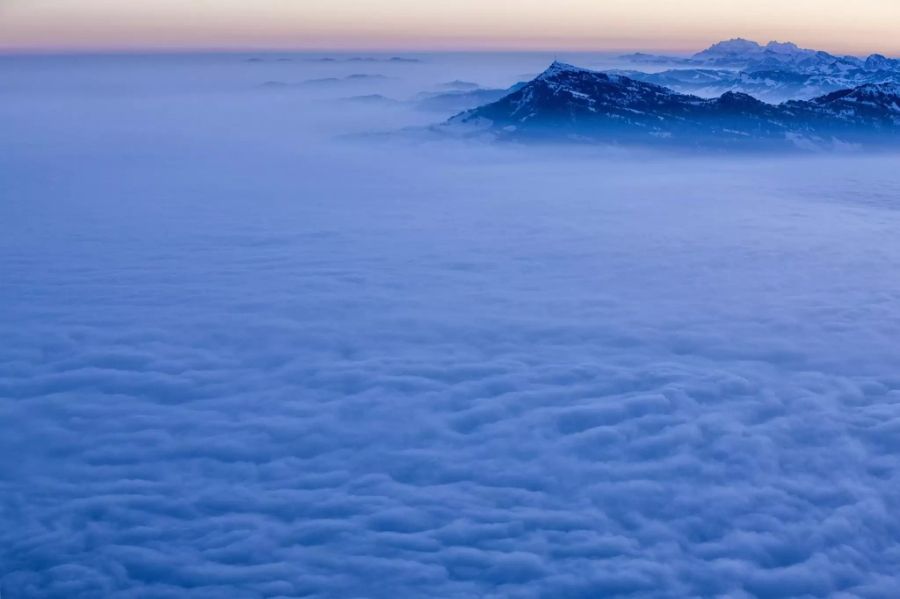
{"points": [[750, 55], [878, 103], [772, 86], [774, 72], [575, 103]]}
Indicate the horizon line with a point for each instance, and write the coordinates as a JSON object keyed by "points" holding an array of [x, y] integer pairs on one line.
{"points": [[188, 49], [236, 49], [298, 50]]}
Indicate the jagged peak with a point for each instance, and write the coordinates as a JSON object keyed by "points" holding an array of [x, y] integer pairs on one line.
{"points": [[776, 46], [737, 44], [877, 62], [558, 68], [741, 46], [736, 41]]}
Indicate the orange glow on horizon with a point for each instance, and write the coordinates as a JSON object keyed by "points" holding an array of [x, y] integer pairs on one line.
{"points": [[864, 27]]}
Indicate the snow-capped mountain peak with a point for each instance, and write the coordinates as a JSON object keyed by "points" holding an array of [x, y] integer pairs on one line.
{"points": [[570, 102], [736, 46], [570, 81], [748, 48], [558, 68], [786, 48], [879, 62], [751, 56], [774, 72]]}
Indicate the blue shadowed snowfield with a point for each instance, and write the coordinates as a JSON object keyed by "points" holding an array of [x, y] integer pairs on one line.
{"points": [[247, 352]]}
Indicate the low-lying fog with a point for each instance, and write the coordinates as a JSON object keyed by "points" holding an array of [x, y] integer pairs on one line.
{"points": [[246, 353]]}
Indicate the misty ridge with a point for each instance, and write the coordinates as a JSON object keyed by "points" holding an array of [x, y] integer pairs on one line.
{"points": [[449, 325], [735, 95], [859, 105], [567, 102]]}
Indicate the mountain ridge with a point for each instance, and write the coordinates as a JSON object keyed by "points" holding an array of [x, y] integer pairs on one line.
{"points": [[750, 55], [569, 102], [775, 72]]}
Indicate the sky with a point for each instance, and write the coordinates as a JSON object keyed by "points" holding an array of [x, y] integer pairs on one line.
{"points": [[854, 27]]}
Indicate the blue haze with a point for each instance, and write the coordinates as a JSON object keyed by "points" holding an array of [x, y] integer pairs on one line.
{"points": [[246, 354]]}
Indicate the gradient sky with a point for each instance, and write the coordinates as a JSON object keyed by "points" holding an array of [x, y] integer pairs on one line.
{"points": [[837, 25]]}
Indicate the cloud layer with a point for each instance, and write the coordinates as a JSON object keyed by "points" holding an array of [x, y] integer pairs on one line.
{"points": [[242, 361]]}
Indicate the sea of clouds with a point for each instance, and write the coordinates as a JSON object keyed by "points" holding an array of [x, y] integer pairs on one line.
{"points": [[246, 353]]}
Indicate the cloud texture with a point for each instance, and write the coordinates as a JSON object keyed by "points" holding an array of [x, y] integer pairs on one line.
{"points": [[239, 360]]}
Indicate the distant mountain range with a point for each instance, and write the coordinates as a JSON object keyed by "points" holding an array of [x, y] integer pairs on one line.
{"points": [[567, 102], [771, 86], [748, 55], [775, 71]]}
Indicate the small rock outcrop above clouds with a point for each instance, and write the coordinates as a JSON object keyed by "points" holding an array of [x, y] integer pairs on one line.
{"points": [[390, 59], [355, 78], [460, 85], [571, 103]]}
